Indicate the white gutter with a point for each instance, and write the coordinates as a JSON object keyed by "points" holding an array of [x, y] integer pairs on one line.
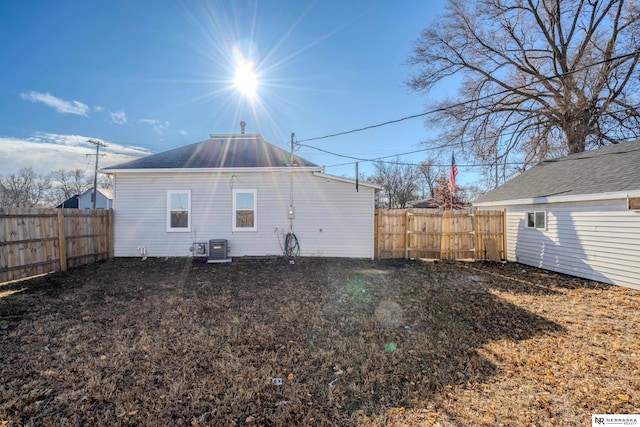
{"points": [[207, 170], [347, 180], [562, 199]]}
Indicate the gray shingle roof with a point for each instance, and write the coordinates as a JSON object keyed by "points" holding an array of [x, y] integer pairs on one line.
{"points": [[609, 169], [220, 151]]}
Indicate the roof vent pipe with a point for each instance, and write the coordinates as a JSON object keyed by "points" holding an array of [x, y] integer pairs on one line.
{"points": [[242, 125]]}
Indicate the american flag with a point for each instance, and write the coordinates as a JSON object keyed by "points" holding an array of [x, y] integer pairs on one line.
{"points": [[453, 172]]}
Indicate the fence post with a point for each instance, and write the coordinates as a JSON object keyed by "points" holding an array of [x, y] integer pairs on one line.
{"points": [[110, 240], [62, 243], [407, 236], [504, 234], [474, 240]]}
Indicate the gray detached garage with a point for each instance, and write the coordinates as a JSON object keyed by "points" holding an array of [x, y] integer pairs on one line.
{"points": [[577, 215]]}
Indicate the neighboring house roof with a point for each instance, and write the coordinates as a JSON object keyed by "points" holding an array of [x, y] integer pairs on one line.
{"points": [[219, 151], [70, 203], [583, 176], [107, 193], [73, 202], [423, 203]]}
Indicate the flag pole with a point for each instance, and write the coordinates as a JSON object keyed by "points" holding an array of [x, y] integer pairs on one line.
{"points": [[453, 171], [452, 179]]}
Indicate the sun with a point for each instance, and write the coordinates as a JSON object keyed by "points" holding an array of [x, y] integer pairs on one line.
{"points": [[246, 79]]}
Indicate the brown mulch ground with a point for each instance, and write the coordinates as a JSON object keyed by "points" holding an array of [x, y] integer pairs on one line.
{"points": [[354, 343]]}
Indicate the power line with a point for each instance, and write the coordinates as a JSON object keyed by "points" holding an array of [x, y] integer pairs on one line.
{"points": [[379, 159], [376, 159], [482, 98]]}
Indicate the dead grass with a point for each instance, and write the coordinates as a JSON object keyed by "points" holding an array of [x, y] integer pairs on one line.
{"points": [[355, 343]]}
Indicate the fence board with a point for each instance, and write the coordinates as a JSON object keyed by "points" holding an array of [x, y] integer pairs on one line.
{"points": [[36, 241], [432, 233]]}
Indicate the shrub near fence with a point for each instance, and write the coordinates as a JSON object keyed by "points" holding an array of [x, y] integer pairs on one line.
{"points": [[36, 241], [432, 233]]}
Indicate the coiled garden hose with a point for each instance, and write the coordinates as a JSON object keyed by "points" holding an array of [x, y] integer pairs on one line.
{"points": [[291, 245]]}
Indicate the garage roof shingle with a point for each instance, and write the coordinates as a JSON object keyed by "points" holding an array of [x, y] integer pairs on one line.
{"points": [[613, 168], [219, 151]]}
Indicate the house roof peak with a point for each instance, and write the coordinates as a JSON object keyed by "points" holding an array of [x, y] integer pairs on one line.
{"points": [[229, 136], [219, 152]]}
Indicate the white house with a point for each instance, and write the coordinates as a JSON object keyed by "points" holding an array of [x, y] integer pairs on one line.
{"points": [[578, 215], [242, 190], [104, 199]]}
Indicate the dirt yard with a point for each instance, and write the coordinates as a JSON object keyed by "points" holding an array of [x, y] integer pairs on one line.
{"points": [[321, 342]]}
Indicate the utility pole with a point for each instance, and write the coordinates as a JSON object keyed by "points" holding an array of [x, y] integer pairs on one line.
{"points": [[293, 135], [98, 144]]}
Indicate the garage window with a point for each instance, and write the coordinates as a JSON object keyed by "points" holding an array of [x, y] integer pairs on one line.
{"points": [[537, 220]]}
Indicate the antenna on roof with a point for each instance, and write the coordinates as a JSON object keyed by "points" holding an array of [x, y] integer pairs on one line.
{"points": [[242, 125]]}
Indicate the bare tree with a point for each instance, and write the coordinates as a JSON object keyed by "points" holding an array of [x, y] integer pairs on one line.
{"points": [[469, 193], [26, 189], [105, 181], [443, 196], [428, 173], [538, 78], [70, 183], [400, 183]]}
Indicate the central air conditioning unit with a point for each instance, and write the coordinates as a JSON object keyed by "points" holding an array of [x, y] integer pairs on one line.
{"points": [[218, 250]]}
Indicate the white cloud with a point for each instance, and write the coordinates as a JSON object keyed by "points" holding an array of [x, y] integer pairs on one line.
{"points": [[183, 132], [99, 108], [118, 117], [58, 139], [47, 152], [158, 125], [60, 105]]}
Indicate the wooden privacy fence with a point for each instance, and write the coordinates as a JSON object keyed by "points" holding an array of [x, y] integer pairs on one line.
{"points": [[36, 241], [432, 233]]}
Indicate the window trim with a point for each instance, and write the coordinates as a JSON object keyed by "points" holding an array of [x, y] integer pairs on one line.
{"points": [[186, 229], [234, 226], [535, 225]]}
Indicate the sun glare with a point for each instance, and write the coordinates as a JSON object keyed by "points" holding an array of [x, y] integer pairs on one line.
{"points": [[245, 80]]}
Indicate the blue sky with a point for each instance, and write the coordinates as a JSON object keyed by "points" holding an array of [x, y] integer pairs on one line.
{"points": [[149, 76]]}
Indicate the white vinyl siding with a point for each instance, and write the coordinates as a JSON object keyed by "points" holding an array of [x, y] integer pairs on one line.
{"points": [[331, 218], [595, 240]]}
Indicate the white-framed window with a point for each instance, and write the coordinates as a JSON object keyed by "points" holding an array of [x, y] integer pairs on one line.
{"points": [[537, 220], [245, 210], [178, 210]]}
